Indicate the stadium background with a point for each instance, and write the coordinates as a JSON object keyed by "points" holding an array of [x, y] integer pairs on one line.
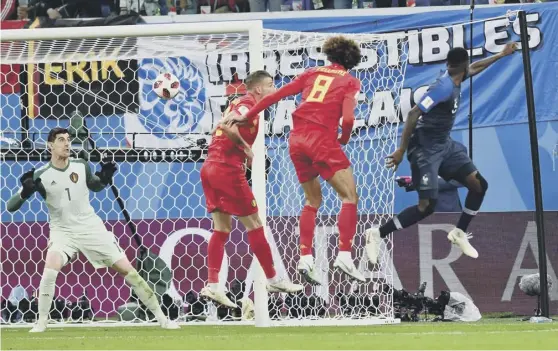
{"points": [[504, 233]]}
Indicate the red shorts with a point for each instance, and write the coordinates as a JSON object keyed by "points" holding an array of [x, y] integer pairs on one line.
{"points": [[314, 155], [226, 189]]}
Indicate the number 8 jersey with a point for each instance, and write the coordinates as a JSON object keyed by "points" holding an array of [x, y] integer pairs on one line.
{"points": [[66, 193], [323, 92]]}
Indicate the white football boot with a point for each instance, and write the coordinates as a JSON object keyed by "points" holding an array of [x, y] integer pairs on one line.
{"points": [[39, 327], [169, 324], [345, 263], [306, 269], [373, 242], [218, 296], [284, 286], [461, 239]]}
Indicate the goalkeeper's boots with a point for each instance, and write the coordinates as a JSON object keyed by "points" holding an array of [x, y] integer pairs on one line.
{"points": [[218, 296], [461, 239], [306, 269], [169, 324], [284, 286], [345, 263], [39, 327], [373, 242]]}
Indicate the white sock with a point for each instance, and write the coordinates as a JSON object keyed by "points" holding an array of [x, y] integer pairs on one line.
{"points": [[213, 286], [145, 294], [46, 293], [345, 255], [274, 280]]}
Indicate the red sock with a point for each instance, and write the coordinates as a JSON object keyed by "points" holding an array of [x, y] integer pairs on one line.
{"points": [[347, 222], [260, 247], [215, 253], [307, 224]]}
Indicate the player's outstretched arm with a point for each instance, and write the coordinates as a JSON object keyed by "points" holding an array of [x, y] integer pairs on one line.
{"points": [[479, 66], [29, 184], [292, 88]]}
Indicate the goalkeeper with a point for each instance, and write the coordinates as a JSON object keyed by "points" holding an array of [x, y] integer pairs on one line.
{"points": [[64, 183]]}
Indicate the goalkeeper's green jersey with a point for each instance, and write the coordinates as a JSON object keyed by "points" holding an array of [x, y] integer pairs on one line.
{"points": [[66, 193]]}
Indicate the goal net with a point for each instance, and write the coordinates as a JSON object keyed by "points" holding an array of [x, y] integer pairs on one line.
{"points": [[101, 89]]}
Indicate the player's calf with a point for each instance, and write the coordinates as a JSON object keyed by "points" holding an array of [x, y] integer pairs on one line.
{"points": [[145, 293], [477, 186], [406, 218]]}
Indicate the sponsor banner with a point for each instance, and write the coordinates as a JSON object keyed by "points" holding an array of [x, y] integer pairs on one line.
{"points": [[498, 94], [507, 244], [94, 88]]}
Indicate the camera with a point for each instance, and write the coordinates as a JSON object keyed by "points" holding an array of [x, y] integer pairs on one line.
{"points": [[408, 307]]}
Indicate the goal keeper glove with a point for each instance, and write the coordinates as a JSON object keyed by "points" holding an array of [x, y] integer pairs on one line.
{"points": [[29, 186], [106, 172]]}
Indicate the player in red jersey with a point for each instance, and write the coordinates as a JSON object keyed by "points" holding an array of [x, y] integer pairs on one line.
{"points": [[227, 192], [314, 146]]}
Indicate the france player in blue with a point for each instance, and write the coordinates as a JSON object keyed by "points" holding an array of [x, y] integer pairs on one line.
{"points": [[432, 153]]}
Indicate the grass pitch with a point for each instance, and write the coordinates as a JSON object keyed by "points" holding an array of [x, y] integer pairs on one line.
{"points": [[495, 334]]}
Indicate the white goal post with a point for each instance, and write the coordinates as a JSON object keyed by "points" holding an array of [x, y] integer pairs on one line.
{"points": [[74, 61]]}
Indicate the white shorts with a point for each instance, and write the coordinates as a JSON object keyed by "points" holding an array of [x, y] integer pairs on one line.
{"points": [[100, 248]]}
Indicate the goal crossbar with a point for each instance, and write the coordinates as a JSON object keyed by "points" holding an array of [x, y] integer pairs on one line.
{"points": [[142, 30]]}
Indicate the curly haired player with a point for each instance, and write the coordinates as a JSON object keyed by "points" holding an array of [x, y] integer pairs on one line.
{"points": [[64, 184], [227, 192], [315, 148]]}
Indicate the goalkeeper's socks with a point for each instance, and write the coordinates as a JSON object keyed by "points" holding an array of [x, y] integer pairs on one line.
{"points": [[215, 253], [260, 247], [307, 225], [46, 293], [145, 294], [347, 222]]}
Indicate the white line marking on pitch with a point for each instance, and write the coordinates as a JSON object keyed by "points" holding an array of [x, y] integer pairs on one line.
{"points": [[259, 336]]}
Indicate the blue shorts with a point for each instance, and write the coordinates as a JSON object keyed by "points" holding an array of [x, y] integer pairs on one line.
{"points": [[448, 160]]}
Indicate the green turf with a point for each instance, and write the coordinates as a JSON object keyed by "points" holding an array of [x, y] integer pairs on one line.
{"points": [[487, 335]]}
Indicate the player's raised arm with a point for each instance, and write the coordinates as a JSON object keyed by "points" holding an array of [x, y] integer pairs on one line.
{"points": [[29, 184], [479, 66], [98, 181], [292, 88]]}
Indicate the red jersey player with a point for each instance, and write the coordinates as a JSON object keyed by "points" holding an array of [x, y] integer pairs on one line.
{"points": [[227, 192], [315, 149]]}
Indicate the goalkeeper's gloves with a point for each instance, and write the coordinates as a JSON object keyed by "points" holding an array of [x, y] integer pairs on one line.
{"points": [[106, 172], [29, 186]]}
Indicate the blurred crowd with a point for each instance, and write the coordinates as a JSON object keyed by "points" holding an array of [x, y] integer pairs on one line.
{"points": [[54, 9]]}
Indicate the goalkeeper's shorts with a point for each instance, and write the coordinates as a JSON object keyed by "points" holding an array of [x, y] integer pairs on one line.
{"points": [[226, 189], [101, 248]]}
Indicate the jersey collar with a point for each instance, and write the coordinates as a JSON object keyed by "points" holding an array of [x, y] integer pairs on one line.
{"points": [[338, 66], [59, 169]]}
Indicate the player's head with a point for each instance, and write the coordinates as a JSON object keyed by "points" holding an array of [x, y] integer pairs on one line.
{"points": [[59, 142], [458, 61], [342, 51], [260, 83]]}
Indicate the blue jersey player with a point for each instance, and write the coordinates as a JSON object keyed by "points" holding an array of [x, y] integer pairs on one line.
{"points": [[432, 152]]}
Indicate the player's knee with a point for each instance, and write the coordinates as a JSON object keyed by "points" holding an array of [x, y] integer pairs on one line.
{"points": [[483, 184], [56, 260], [350, 196], [314, 201], [427, 206], [251, 222], [123, 266]]}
